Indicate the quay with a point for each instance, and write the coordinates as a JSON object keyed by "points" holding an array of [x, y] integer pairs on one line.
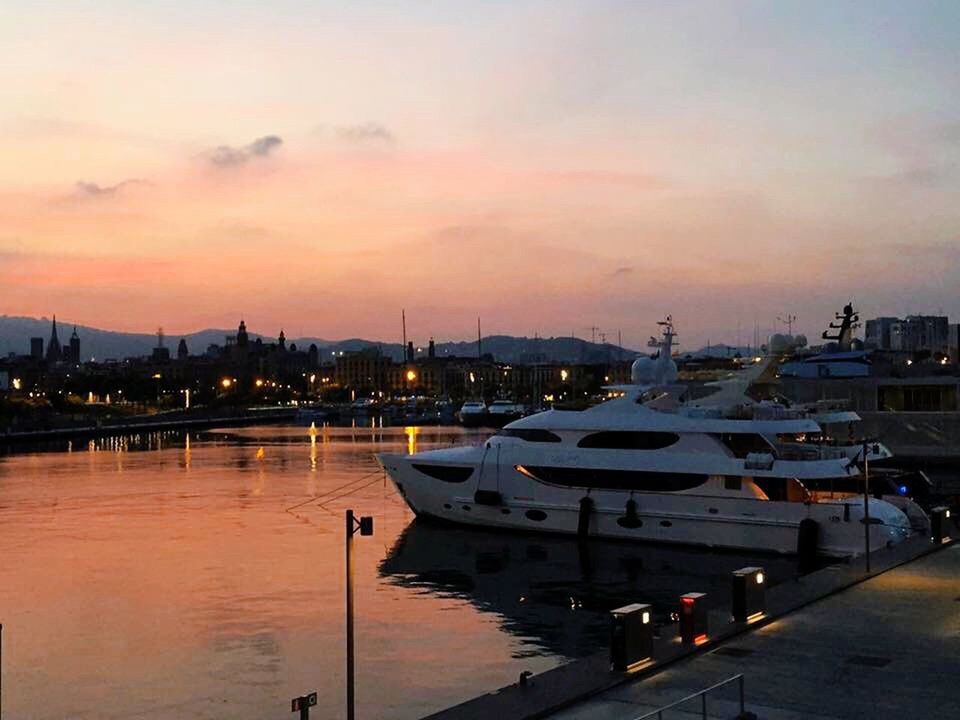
{"points": [[838, 643], [151, 424]]}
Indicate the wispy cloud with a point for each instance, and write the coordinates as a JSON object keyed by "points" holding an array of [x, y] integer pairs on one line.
{"points": [[85, 189], [622, 271], [370, 132], [225, 156]]}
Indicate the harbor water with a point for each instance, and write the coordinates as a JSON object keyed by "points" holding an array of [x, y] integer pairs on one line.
{"points": [[201, 575]]}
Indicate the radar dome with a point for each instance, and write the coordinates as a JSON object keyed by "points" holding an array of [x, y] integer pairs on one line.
{"points": [[642, 370]]}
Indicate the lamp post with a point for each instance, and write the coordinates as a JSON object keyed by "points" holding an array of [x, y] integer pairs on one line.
{"points": [[365, 526], [866, 502]]}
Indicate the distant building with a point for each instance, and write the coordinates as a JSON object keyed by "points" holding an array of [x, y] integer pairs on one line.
{"points": [[182, 352], [54, 351], [878, 333], [36, 348], [919, 333], [74, 354], [953, 341]]}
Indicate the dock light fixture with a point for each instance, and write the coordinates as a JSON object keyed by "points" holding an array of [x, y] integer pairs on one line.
{"points": [[693, 618], [749, 594], [939, 530], [631, 636]]}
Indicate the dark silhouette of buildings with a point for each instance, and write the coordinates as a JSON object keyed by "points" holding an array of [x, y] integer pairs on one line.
{"points": [[182, 352], [36, 348], [74, 350], [54, 351]]}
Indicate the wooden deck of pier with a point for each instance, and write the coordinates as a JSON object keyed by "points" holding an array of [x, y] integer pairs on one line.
{"points": [[886, 648]]}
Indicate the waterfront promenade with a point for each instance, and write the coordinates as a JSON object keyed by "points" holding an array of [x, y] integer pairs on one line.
{"points": [[886, 648]]}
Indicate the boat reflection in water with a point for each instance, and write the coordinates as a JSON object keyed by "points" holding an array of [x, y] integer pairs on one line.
{"points": [[555, 592]]}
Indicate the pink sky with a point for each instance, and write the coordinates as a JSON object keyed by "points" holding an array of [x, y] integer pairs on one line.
{"points": [[548, 166]]}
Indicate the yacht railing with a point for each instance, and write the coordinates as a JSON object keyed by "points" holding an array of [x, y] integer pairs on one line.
{"points": [[703, 699]]}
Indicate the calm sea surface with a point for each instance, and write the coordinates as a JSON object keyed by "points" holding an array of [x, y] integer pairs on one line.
{"points": [[166, 576]]}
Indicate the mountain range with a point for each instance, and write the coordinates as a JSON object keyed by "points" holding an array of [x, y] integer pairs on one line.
{"points": [[99, 344]]}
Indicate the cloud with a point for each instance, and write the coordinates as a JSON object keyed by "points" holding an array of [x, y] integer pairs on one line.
{"points": [[84, 189], [365, 133], [622, 271], [225, 156]]}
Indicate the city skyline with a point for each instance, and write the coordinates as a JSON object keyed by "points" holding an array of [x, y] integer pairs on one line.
{"points": [[549, 167]]}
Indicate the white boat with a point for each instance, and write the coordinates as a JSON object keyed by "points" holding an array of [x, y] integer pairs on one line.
{"points": [[645, 466], [501, 412], [473, 413]]}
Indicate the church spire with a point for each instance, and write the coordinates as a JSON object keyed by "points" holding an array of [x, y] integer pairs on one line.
{"points": [[54, 351]]}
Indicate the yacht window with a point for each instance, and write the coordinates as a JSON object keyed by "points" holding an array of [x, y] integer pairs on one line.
{"points": [[640, 480], [531, 435], [732, 482], [628, 440], [742, 444], [446, 473]]}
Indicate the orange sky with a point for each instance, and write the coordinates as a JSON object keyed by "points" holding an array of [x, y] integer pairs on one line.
{"points": [[549, 166]]}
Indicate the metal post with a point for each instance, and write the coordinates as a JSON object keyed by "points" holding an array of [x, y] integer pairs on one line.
{"points": [[703, 705], [304, 711], [349, 547], [740, 683], [866, 503]]}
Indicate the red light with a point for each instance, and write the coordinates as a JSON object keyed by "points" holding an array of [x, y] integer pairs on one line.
{"points": [[687, 600], [699, 639]]}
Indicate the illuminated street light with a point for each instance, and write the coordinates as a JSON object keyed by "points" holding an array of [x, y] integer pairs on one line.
{"points": [[564, 375], [258, 383], [411, 376], [226, 383], [17, 383]]}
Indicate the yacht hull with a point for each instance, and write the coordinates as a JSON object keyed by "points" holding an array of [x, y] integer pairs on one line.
{"points": [[498, 496]]}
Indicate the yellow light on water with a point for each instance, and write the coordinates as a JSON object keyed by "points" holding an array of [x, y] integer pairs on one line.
{"points": [[412, 433]]}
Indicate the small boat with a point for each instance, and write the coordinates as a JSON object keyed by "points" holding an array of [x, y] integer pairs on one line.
{"points": [[501, 412], [473, 413]]}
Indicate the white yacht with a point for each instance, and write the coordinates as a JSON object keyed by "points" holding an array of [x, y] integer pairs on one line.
{"points": [[473, 413], [501, 412], [646, 466]]}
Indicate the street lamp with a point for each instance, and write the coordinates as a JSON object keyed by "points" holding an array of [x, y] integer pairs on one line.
{"points": [[365, 526]]}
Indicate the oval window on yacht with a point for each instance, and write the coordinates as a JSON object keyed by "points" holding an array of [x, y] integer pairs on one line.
{"points": [[531, 435], [628, 440], [607, 479], [446, 473]]}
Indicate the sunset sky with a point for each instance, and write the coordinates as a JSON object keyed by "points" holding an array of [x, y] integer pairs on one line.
{"points": [[550, 166]]}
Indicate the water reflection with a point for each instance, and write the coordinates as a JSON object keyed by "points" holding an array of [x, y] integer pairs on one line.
{"points": [[553, 591]]}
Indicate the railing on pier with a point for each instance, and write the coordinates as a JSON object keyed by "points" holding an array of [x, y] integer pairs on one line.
{"points": [[703, 699]]}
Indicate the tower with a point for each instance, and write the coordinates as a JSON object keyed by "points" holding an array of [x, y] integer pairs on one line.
{"points": [[282, 340], [54, 351], [242, 337], [74, 346], [182, 352]]}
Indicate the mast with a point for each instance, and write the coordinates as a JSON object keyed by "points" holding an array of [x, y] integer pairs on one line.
{"points": [[479, 342], [403, 319]]}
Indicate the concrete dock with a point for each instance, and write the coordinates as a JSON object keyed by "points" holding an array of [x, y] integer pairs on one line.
{"points": [[886, 648], [841, 642]]}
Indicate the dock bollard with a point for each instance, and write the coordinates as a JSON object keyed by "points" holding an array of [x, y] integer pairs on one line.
{"points": [[939, 530], [749, 594], [631, 636], [693, 618]]}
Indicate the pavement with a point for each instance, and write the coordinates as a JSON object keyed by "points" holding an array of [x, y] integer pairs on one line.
{"points": [[888, 647]]}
